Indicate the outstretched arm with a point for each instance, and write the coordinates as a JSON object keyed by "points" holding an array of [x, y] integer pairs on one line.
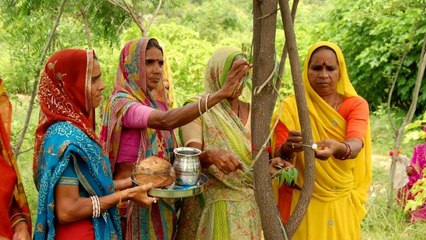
{"points": [[177, 117], [348, 149], [70, 207]]}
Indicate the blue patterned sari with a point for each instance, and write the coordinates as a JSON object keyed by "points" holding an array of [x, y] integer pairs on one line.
{"points": [[62, 141]]}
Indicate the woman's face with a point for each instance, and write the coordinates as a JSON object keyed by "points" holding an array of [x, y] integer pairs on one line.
{"points": [[154, 67], [323, 72], [97, 85]]}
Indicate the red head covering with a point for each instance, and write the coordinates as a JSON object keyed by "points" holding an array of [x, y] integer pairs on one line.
{"points": [[65, 94]]}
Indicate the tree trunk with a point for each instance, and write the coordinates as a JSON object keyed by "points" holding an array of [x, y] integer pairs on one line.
{"points": [[263, 101], [36, 76], [309, 177]]}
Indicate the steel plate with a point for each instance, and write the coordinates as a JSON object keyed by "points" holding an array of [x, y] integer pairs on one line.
{"points": [[177, 191]]}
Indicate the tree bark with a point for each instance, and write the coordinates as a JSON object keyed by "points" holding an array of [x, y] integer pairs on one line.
{"points": [[36, 76], [309, 176], [263, 101], [284, 50]]}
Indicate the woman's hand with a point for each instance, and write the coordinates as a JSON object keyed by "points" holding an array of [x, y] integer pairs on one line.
{"points": [[222, 159], [238, 71], [329, 147], [139, 195], [293, 144], [278, 163], [21, 231], [325, 149], [294, 141]]}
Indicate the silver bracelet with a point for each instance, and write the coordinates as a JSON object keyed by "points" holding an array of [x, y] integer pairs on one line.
{"points": [[199, 106], [207, 100], [98, 206], [95, 206]]}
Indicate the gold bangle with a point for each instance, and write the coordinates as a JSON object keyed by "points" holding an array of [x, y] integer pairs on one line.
{"points": [[18, 221]]}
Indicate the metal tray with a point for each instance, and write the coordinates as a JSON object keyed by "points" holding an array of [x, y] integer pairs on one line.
{"points": [[177, 191]]}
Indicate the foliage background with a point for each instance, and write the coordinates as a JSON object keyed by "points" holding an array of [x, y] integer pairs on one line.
{"points": [[373, 34]]}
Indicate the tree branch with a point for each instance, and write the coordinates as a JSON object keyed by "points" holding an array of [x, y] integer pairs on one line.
{"points": [[309, 175], [83, 12], [115, 3], [284, 51], [135, 18], [35, 84], [395, 77], [154, 15]]}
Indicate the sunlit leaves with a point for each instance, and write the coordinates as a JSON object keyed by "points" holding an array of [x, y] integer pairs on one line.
{"points": [[286, 175], [374, 35]]}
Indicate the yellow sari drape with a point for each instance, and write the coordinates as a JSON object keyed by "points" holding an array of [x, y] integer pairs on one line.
{"points": [[340, 188]]}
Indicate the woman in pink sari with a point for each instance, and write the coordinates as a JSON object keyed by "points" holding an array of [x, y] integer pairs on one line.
{"points": [[415, 172], [137, 123]]}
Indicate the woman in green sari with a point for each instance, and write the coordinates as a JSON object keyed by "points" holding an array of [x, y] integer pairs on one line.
{"points": [[227, 209]]}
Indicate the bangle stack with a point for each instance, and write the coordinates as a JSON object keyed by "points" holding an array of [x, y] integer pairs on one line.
{"points": [[18, 221], [17, 218], [206, 109], [96, 206], [348, 152]]}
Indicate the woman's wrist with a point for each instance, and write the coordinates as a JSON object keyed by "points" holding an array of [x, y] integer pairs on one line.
{"points": [[343, 153], [128, 194], [19, 223], [205, 159], [217, 96]]}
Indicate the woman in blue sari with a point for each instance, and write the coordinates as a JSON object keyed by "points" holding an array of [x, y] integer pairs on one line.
{"points": [[77, 195]]}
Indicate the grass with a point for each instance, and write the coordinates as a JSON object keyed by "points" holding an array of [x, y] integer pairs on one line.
{"points": [[381, 222]]}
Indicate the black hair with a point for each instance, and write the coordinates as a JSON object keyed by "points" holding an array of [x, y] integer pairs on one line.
{"points": [[322, 48], [154, 43]]}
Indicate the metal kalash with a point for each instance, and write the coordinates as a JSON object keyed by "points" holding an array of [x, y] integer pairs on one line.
{"points": [[187, 166]]}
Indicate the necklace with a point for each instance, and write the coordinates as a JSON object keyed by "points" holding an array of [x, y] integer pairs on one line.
{"points": [[336, 102]]}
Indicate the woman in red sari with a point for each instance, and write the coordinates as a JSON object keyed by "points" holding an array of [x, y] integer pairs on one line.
{"points": [[77, 195], [15, 219]]}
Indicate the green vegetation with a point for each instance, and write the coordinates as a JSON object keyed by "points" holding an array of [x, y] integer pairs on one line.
{"points": [[374, 36]]}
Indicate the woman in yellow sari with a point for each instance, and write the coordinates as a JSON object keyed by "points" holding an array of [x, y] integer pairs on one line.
{"points": [[340, 127]]}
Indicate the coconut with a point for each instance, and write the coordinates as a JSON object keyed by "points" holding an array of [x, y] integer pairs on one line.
{"points": [[155, 170]]}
